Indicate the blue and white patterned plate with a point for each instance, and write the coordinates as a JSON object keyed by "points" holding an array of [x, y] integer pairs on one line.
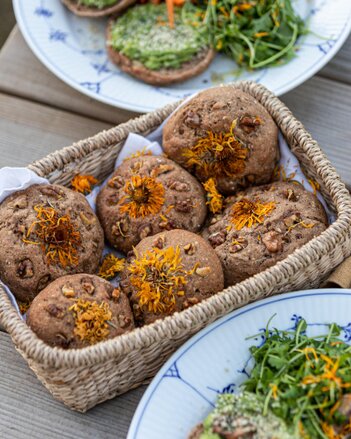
{"points": [[73, 49], [217, 359]]}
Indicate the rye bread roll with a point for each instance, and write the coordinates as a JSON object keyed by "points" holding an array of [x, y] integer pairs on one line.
{"points": [[263, 225], [147, 195], [162, 75], [46, 231], [79, 310], [225, 134], [169, 272], [78, 8]]}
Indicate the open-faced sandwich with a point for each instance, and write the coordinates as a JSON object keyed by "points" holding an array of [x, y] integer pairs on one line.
{"points": [[97, 8], [298, 388], [143, 43], [241, 417], [162, 43]]}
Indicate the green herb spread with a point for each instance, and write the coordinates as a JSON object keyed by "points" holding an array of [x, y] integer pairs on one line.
{"points": [[143, 34], [242, 415], [100, 4]]}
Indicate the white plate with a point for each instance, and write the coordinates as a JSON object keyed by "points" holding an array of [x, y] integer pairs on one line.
{"points": [[73, 49], [216, 360]]}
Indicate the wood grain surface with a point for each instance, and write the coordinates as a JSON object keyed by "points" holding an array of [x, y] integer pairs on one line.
{"points": [[22, 74], [30, 130], [28, 411], [39, 114], [339, 68]]}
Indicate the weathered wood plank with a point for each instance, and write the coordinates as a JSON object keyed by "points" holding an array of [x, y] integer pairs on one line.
{"points": [[339, 68], [22, 74], [30, 131], [323, 106], [27, 410], [7, 20]]}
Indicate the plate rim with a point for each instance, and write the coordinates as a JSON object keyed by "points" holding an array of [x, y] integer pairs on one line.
{"points": [[145, 399], [290, 85]]}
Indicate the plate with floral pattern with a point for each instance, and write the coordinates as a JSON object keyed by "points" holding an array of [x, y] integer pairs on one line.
{"points": [[217, 359], [73, 48]]}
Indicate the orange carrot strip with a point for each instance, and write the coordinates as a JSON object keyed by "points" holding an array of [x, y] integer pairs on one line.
{"points": [[170, 10]]}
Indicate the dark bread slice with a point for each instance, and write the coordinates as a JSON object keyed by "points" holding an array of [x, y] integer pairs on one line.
{"points": [[196, 432], [163, 76], [86, 11]]}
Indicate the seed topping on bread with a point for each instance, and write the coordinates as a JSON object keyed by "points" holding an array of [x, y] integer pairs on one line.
{"points": [[57, 236], [217, 154], [159, 275], [142, 34], [247, 213], [143, 196], [91, 320]]}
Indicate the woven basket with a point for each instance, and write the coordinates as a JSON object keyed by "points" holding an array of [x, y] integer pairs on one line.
{"points": [[86, 377]]}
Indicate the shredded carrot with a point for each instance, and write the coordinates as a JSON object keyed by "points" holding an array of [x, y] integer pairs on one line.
{"points": [[170, 11]]}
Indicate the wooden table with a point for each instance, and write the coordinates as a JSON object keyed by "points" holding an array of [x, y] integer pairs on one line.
{"points": [[39, 114]]}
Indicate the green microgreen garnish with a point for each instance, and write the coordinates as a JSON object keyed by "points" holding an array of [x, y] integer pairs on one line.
{"points": [[302, 380], [255, 33]]}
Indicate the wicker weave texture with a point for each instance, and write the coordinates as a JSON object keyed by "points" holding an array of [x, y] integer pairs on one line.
{"points": [[86, 377]]}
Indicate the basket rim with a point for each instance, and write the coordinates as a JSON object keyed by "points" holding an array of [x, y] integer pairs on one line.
{"points": [[206, 311]]}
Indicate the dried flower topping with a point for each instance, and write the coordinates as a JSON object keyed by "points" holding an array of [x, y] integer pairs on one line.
{"points": [[315, 185], [302, 224], [24, 306], [159, 277], [246, 213], [144, 196], [141, 153], [279, 174], [214, 198], [57, 236], [111, 265], [83, 183], [217, 154], [91, 320]]}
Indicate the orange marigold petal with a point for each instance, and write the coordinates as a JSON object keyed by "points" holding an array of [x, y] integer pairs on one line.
{"points": [[247, 213], [111, 265], [143, 196], [91, 320], [83, 183]]}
